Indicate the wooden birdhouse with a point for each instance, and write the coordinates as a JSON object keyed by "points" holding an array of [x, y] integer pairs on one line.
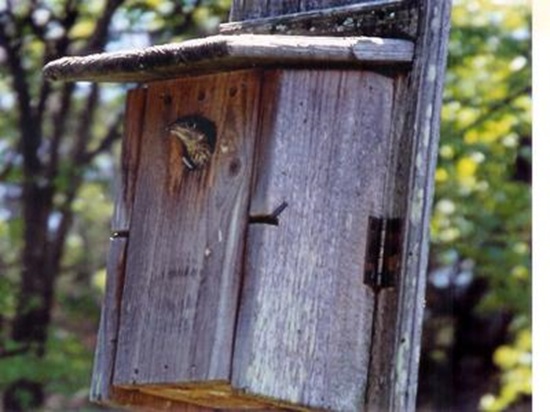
{"points": [[269, 241]]}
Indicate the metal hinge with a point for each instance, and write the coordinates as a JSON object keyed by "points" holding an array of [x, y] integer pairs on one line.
{"points": [[383, 252]]}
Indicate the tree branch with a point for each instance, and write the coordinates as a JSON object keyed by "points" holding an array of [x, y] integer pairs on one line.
{"points": [[100, 35], [59, 123], [188, 19], [186, 24], [38, 30], [9, 162], [494, 108], [74, 179], [69, 19], [58, 242], [30, 130], [107, 141], [7, 353], [53, 50], [83, 133], [45, 89]]}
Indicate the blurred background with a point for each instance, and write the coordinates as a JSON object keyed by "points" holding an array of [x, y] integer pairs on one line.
{"points": [[59, 148]]}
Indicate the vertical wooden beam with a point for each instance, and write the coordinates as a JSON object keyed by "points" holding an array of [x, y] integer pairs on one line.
{"points": [[108, 329], [395, 196], [305, 317], [423, 105]]}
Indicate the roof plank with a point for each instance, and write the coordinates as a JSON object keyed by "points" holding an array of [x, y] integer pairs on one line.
{"points": [[230, 52]]}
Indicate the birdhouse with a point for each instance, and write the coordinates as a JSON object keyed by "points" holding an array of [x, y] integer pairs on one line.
{"points": [[269, 236]]}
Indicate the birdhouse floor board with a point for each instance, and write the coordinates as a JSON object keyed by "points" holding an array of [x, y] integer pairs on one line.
{"points": [[134, 399], [187, 234], [199, 396], [222, 53]]}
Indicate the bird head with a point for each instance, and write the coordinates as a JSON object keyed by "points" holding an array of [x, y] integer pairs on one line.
{"points": [[194, 129], [198, 136]]}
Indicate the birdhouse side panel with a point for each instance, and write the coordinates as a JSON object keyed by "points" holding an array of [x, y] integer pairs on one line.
{"points": [[396, 202], [305, 317], [187, 230], [129, 160], [102, 375]]}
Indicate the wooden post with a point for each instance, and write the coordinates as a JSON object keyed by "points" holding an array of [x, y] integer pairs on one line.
{"points": [[289, 271], [406, 175]]}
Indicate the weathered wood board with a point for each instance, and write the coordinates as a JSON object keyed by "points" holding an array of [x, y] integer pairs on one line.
{"points": [[305, 317], [223, 53], [130, 155], [254, 9], [395, 204], [108, 329], [378, 18], [420, 112], [186, 235]]}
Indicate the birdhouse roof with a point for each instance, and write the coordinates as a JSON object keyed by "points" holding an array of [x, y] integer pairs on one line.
{"points": [[230, 52]]}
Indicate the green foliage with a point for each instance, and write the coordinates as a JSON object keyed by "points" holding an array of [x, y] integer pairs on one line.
{"points": [[515, 362], [7, 297], [483, 195], [482, 210], [171, 21], [65, 369]]}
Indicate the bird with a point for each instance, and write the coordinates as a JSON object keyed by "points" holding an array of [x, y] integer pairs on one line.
{"points": [[198, 136]]}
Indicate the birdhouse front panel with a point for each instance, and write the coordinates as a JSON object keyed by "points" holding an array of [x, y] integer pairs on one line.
{"points": [[247, 200], [186, 234]]}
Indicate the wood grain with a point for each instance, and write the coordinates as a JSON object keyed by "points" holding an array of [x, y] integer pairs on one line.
{"points": [[186, 236], [222, 53], [136, 400], [380, 18], [129, 163], [106, 345], [254, 9], [394, 205], [303, 333], [422, 109]]}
